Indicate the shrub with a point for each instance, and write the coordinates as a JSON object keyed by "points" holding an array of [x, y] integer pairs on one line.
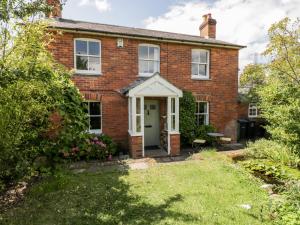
{"points": [[90, 146], [287, 211], [201, 133], [268, 171], [187, 118], [274, 151]]}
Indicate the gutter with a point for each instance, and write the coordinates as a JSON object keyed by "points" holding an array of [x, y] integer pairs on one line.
{"points": [[143, 37]]}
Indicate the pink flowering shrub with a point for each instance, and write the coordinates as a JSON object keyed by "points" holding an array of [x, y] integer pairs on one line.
{"points": [[90, 146]]}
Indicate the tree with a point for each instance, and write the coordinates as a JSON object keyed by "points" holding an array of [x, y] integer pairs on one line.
{"points": [[33, 88], [277, 83]]}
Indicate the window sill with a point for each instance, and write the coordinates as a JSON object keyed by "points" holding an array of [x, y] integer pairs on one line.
{"points": [[87, 73], [200, 78], [95, 131], [145, 74]]}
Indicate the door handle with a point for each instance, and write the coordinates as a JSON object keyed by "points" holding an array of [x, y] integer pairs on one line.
{"points": [[148, 126]]}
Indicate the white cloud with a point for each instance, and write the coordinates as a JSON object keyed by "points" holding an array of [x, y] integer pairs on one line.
{"points": [[101, 5], [244, 22]]}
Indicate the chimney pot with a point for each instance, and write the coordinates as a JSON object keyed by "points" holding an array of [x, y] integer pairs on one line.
{"points": [[208, 27]]}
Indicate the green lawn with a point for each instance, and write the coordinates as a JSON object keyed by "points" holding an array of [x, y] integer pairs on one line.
{"points": [[208, 191]]}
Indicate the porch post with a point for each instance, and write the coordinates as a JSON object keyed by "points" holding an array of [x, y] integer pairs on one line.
{"points": [[133, 110], [142, 125], [177, 114], [169, 123]]}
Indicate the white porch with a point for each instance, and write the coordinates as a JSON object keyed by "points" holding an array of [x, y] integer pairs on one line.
{"points": [[153, 87]]}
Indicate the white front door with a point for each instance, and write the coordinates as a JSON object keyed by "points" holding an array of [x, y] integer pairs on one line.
{"points": [[151, 121]]}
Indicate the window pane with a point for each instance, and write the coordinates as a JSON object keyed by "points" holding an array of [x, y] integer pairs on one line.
{"points": [[81, 47], [194, 69], [138, 124], [156, 67], [94, 48], [200, 119], [95, 123], [202, 69], [151, 53], [94, 63], [151, 66], [138, 106], [195, 56], [173, 122], [197, 107], [95, 108], [156, 53], [173, 105], [203, 56], [143, 66], [143, 52], [81, 62], [203, 107]]}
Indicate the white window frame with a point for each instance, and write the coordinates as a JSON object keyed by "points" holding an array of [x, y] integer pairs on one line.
{"points": [[94, 131], [139, 59], [252, 106], [173, 114], [88, 72], [206, 114], [200, 76]]}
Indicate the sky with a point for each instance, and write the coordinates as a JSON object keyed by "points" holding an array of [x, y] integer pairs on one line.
{"points": [[243, 22]]}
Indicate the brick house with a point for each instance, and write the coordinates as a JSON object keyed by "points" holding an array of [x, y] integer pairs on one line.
{"points": [[133, 78]]}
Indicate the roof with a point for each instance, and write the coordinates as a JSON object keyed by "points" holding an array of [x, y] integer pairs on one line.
{"points": [[136, 83], [81, 26]]}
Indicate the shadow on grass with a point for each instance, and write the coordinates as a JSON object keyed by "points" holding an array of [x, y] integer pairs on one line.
{"points": [[93, 198]]}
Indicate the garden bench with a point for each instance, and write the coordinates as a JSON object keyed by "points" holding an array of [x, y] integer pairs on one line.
{"points": [[225, 139], [198, 143]]}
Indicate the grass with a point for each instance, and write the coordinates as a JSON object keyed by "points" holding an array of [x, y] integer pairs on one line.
{"points": [[208, 191]]}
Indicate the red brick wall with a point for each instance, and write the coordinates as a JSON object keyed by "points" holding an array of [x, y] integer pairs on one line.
{"points": [[120, 68], [175, 144], [243, 110], [135, 146]]}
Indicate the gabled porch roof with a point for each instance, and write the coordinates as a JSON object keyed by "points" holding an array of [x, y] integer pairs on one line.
{"points": [[154, 86]]}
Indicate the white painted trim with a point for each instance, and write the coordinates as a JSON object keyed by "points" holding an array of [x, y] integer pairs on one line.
{"points": [[252, 106], [169, 123], [133, 111], [177, 114], [95, 131], [208, 108], [200, 76], [152, 60], [142, 126], [87, 72], [155, 78]]}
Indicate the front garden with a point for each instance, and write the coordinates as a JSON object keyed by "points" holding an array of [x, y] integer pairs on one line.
{"points": [[206, 190]]}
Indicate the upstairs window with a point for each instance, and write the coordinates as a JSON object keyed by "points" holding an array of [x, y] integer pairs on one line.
{"points": [[252, 111], [200, 64], [149, 59], [94, 112], [87, 56], [202, 113]]}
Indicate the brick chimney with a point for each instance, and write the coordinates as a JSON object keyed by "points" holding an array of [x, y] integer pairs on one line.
{"points": [[56, 9], [208, 27]]}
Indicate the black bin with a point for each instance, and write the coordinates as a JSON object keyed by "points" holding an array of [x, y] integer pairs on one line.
{"points": [[243, 129]]}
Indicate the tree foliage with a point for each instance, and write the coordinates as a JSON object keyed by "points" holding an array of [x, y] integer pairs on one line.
{"points": [[33, 87], [277, 83]]}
